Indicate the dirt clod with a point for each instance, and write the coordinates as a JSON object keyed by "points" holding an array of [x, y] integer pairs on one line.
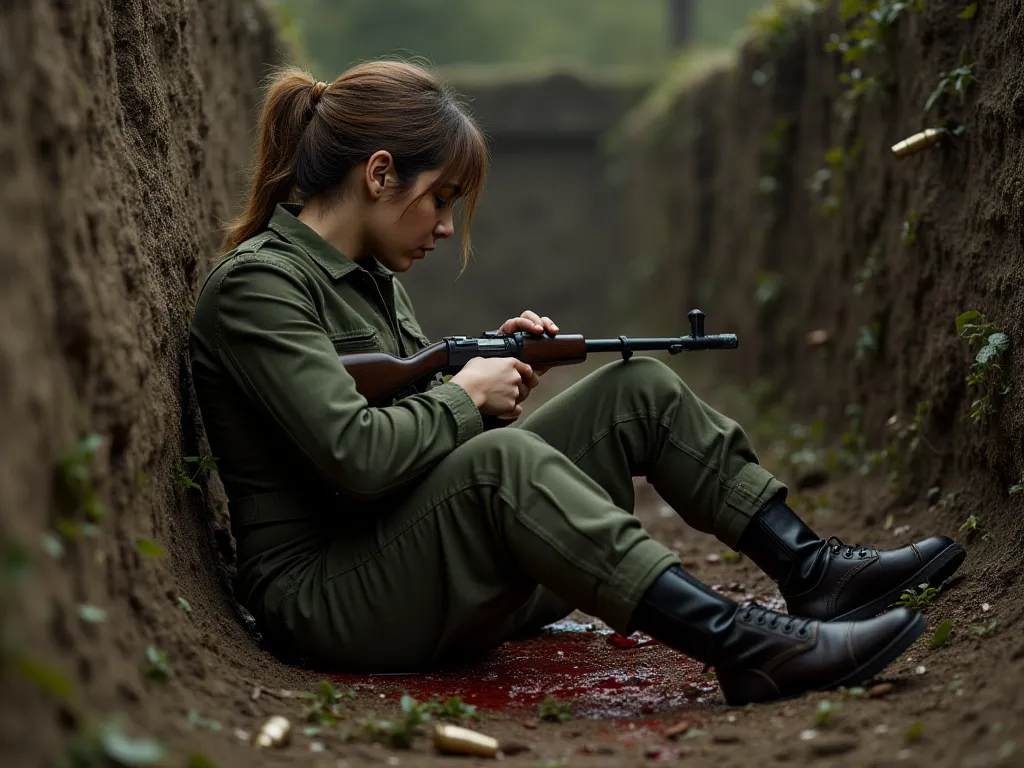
{"points": [[831, 745], [880, 690]]}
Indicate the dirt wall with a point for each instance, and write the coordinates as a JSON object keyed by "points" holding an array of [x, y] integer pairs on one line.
{"points": [[735, 224], [124, 129]]}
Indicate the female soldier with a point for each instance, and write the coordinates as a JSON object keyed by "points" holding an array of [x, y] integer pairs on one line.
{"points": [[392, 538]]}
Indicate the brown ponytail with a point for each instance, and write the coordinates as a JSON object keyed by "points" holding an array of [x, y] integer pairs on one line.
{"points": [[312, 134]]}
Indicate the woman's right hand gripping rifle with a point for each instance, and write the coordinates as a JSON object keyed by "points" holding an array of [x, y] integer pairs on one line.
{"points": [[497, 384]]}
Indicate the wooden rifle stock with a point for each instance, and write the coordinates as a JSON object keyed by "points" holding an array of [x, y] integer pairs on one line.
{"points": [[379, 375]]}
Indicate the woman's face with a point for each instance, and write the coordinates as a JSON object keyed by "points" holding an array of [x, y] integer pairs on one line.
{"points": [[404, 228]]}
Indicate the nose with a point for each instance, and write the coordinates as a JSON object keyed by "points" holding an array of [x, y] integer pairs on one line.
{"points": [[445, 226]]}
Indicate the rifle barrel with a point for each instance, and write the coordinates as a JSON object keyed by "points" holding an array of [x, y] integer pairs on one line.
{"points": [[673, 345]]}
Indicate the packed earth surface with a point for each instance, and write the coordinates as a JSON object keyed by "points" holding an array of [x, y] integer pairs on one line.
{"points": [[124, 134]]}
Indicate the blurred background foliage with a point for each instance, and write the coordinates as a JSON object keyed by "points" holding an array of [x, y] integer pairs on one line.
{"points": [[331, 35]]}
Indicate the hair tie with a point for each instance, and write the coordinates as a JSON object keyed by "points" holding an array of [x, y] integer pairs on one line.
{"points": [[318, 90]]}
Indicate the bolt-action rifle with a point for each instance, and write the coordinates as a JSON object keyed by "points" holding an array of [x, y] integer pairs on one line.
{"points": [[379, 375]]}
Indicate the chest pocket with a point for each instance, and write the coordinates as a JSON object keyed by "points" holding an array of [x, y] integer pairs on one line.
{"points": [[357, 340], [412, 337]]}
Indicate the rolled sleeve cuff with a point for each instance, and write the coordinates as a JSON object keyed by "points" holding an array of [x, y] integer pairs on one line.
{"points": [[468, 420]]}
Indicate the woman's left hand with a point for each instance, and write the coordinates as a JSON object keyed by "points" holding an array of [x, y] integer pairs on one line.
{"points": [[530, 322]]}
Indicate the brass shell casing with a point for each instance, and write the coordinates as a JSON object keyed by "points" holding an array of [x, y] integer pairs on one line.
{"points": [[919, 142], [461, 741], [275, 732]]}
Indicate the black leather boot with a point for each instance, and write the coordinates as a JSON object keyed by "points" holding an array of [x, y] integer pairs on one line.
{"points": [[760, 655], [832, 581]]}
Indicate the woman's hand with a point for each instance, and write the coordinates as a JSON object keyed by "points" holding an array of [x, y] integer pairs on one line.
{"points": [[497, 384], [530, 322]]}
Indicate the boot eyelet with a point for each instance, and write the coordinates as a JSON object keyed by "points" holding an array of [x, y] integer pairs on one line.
{"points": [[847, 555], [760, 619], [803, 632]]}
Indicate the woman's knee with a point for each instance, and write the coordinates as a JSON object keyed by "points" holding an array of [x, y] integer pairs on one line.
{"points": [[649, 376], [503, 446]]}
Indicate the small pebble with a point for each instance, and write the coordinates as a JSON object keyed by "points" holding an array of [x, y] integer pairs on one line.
{"points": [[808, 735], [242, 735], [316, 746], [531, 724], [817, 337], [881, 729], [833, 745], [726, 736], [985, 607], [678, 729], [880, 690], [920, 670]]}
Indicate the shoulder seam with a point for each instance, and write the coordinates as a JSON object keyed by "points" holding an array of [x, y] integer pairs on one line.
{"points": [[241, 259]]}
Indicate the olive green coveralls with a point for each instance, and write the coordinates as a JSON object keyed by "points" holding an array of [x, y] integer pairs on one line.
{"points": [[393, 538]]}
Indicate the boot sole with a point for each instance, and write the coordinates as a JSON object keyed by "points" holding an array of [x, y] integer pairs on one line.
{"points": [[884, 657], [940, 568]]}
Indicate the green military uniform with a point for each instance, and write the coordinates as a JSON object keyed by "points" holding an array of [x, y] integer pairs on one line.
{"points": [[389, 538]]}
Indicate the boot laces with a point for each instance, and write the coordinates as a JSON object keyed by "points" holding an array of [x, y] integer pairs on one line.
{"points": [[758, 614], [847, 550]]}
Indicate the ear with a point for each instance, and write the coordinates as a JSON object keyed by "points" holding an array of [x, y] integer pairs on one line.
{"points": [[379, 173]]}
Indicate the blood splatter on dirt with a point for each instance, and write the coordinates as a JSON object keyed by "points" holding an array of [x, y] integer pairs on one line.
{"points": [[604, 678]]}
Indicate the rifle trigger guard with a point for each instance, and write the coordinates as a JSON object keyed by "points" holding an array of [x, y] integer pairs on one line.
{"points": [[626, 351]]}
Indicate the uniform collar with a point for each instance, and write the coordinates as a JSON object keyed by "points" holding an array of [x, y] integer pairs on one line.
{"points": [[285, 222]]}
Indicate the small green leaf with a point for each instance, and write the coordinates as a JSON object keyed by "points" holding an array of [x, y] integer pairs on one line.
{"points": [[970, 11], [44, 677], [915, 731], [1000, 341], [199, 760], [130, 752], [823, 714], [52, 545], [150, 548], [311, 730], [942, 633], [985, 354], [966, 318], [159, 667], [68, 529], [195, 719], [408, 703], [184, 604], [91, 613]]}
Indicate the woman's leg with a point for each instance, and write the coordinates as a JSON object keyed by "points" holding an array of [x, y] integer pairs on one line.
{"points": [[638, 418], [455, 567]]}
